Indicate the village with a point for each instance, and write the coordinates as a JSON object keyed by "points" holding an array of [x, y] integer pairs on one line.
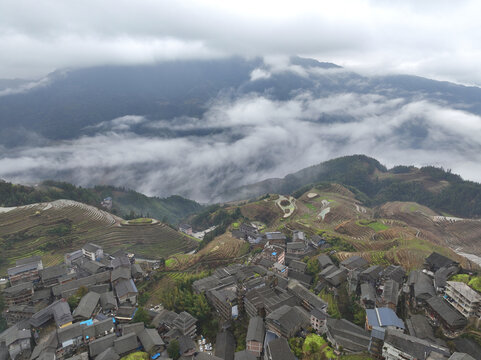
{"points": [[86, 307]]}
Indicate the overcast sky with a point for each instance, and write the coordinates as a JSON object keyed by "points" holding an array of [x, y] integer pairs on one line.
{"points": [[437, 39]]}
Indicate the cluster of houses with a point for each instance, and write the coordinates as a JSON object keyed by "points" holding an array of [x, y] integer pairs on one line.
{"points": [[282, 301], [43, 326], [274, 290]]}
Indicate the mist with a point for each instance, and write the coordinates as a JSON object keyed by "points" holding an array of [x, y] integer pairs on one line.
{"points": [[242, 140]]}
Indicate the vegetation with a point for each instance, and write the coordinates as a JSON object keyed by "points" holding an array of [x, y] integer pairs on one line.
{"points": [[126, 203], [180, 297], [473, 281], [3, 322], [222, 219], [52, 231], [74, 300], [173, 349], [142, 220], [141, 315], [373, 184], [139, 355]]}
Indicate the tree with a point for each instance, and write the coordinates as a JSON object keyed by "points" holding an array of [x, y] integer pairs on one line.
{"points": [[141, 315], [313, 266], [174, 349]]}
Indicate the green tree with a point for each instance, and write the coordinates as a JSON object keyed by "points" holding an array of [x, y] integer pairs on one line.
{"points": [[141, 315], [173, 349]]}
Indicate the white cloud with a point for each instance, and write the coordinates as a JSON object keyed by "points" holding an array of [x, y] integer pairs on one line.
{"points": [[260, 138], [431, 38]]}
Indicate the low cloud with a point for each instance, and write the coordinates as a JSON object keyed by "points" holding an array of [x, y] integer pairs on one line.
{"points": [[256, 138], [429, 38]]}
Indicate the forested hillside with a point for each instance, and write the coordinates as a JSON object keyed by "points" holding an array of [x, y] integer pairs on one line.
{"points": [[374, 184], [126, 203]]}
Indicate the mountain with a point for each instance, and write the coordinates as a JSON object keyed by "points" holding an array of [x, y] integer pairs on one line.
{"points": [[126, 203], [374, 184], [202, 128]]}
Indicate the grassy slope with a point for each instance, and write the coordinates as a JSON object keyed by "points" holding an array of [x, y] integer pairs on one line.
{"points": [[382, 237], [429, 186], [53, 231]]}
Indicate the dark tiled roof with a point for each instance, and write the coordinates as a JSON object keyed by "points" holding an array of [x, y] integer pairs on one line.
{"points": [[69, 332], [419, 327], [279, 350], [245, 355], [108, 300], [136, 328], [461, 356], [120, 261], [318, 314], [17, 289], [108, 354], [437, 261], [395, 273], [423, 285], [99, 345], [150, 338], [303, 294], [368, 293], [53, 272], [417, 348], [126, 343], [301, 277], [103, 327], [348, 335], [289, 319], [28, 260], [225, 345], [256, 329], [185, 344], [450, 315], [354, 262], [324, 260], [121, 273], [91, 247], [390, 292], [297, 266], [86, 305], [125, 287]]}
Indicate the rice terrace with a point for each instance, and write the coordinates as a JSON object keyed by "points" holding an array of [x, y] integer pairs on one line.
{"points": [[55, 228]]}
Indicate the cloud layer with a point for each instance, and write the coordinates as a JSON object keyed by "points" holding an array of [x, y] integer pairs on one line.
{"points": [[244, 140], [436, 39]]}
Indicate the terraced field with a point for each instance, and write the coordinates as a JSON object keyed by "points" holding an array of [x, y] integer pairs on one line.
{"points": [[52, 229]]}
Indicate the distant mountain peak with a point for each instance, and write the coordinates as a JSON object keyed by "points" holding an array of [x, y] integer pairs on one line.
{"points": [[308, 62]]}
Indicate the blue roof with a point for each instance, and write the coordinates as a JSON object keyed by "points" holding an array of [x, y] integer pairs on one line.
{"points": [[87, 322], [383, 317]]}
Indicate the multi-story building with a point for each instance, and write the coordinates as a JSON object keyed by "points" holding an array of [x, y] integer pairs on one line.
{"points": [[224, 301], [255, 336], [464, 299], [18, 294], [287, 321], [26, 270], [186, 324], [318, 320], [92, 251]]}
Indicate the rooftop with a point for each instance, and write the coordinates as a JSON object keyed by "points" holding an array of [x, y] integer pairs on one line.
{"points": [[256, 329], [465, 290], [383, 317], [413, 346], [90, 247], [450, 315]]}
